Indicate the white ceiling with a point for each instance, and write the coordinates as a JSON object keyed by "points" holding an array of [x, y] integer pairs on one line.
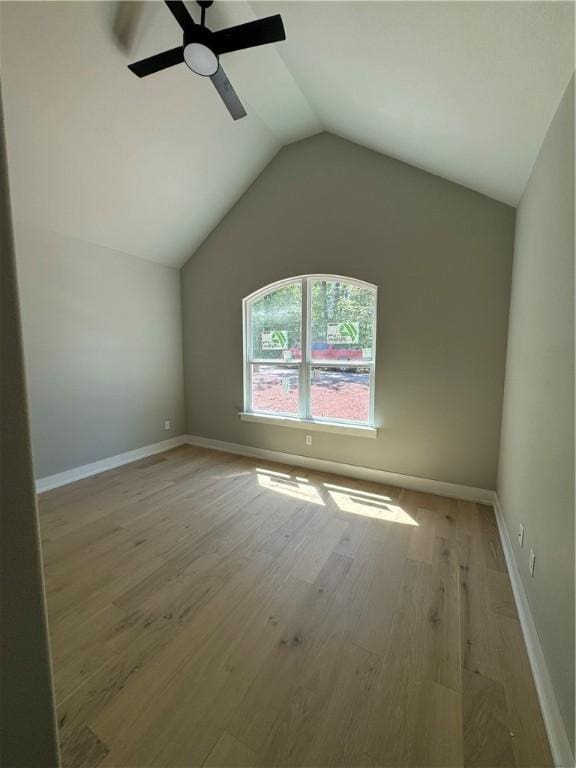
{"points": [[465, 90], [147, 167]]}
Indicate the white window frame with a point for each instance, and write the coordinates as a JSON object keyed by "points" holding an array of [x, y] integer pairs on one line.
{"points": [[304, 417]]}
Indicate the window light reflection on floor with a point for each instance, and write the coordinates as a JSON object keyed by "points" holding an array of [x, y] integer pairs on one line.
{"points": [[374, 505], [356, 492], [282, 483], [368, 505], [272, 473]]}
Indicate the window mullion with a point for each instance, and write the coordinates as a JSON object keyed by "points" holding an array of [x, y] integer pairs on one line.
{"points": [[372, 390], [304, 378], [248, 377], [247, 352], [308, 313]]}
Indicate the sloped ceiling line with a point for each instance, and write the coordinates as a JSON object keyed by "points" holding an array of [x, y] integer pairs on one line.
{"points": [[149, 167]]}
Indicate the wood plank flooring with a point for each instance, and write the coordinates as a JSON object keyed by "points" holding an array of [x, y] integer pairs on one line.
{"points": [[211, 610]]}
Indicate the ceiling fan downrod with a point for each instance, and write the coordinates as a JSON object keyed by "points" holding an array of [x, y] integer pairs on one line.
{"points": [[204, 4]]}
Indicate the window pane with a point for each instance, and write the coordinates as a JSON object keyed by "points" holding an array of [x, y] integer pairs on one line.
{"points": [[275, 389], [342, 321], [276, 324], [342, 394]]}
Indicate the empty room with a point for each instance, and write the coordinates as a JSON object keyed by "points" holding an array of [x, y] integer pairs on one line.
{"points": [[287, 384]]}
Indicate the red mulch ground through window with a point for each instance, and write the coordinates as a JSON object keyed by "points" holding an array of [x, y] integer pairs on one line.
{"points": [[347, 400]]}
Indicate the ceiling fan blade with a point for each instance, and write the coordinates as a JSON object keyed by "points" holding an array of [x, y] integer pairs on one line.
{"points": [[257, 32], [158, 62], [228, 94], [180, 13]]}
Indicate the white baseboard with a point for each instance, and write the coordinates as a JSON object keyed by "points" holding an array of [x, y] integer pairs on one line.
{"points": [[438, 487], [426, 485], [86, 470], [557, 736]]}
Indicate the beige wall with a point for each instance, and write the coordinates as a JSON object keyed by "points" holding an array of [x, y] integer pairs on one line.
{"points": [[441, 258], [103, 347], [28, 725], [536, 472]]}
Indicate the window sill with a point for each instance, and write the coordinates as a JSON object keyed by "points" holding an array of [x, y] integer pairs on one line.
{"points": [[338, 428]]}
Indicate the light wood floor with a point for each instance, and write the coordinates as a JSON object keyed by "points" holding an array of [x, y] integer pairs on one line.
{"points": [[211, 610]]}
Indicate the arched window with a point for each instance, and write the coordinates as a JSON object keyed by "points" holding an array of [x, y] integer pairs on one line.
{"points": [[310, 350]]}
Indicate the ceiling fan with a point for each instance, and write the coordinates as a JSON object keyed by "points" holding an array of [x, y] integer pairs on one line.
{"points": [[201, 49]]}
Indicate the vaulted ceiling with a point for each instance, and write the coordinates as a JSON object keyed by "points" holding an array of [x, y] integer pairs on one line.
{"points": [[149, 167]]}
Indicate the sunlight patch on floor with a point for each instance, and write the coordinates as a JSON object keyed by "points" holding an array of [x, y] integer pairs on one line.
{"points": [[368, 505], [355, 492], [272, 473], [374, 505], [282, 483]]}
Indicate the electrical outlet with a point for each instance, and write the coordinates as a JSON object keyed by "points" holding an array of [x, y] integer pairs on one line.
{"points": [[167, 424], [308, 439], [532, 562], [521, 535]]}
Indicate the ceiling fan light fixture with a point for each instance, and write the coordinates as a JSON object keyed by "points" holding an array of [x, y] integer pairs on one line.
{"points": [[200, 59], [201, 49]]}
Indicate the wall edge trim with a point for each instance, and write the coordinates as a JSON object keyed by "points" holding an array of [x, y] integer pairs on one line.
{"points": [[426, 485], [557, 736], [94, 468]]}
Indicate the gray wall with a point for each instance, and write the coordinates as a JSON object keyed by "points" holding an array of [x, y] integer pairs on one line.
{"points": [[28, 738], [536, 473], [441, 256], [103, 347]]}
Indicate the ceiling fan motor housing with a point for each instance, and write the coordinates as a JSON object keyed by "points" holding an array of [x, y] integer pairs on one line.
{"points": [[199, 52]]}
